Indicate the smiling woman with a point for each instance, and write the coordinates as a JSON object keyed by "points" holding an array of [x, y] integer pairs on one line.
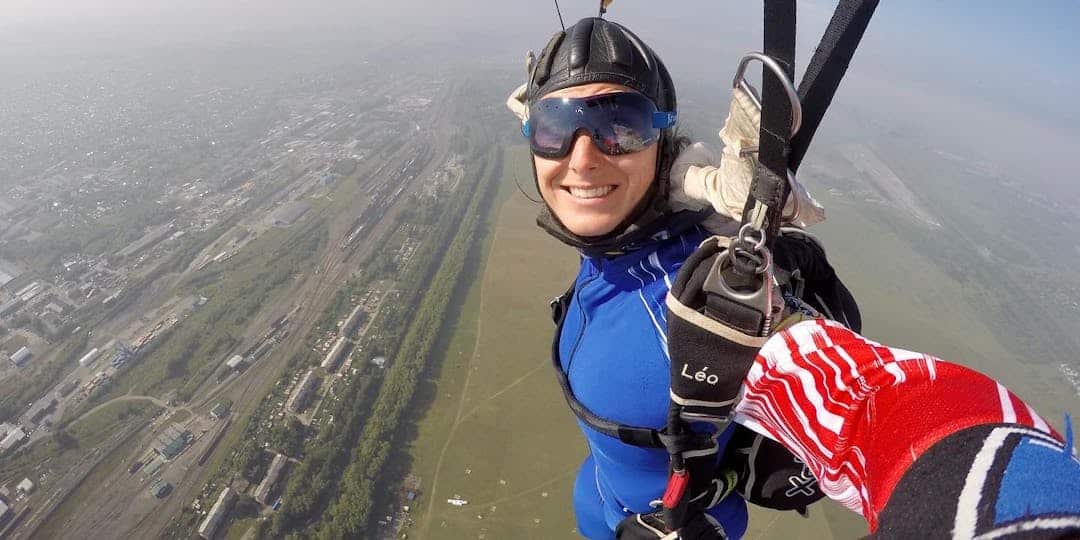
{"points": [[601, 112], [588, 190], [599, 81]]}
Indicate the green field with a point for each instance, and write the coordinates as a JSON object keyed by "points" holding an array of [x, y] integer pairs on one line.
{"points": [[908, 301], [497, 432]]}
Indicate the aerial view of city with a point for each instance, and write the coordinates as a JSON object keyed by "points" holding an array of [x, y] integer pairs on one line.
{"points": [[277, 275]]}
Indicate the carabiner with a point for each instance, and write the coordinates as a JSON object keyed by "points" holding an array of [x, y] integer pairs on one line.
{"points": [[789, 88]]}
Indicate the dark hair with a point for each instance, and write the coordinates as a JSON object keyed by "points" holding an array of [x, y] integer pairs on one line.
{"points": [[670, 146]]}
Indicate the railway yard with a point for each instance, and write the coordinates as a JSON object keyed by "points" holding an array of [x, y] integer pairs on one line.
{"points": [[360, 209]]}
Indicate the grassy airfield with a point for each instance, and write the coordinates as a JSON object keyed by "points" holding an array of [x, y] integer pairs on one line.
{"points": [[907, 301], [498, 434]]}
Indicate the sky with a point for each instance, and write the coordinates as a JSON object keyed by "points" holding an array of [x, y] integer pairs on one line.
{"points": [[1000, 75]]}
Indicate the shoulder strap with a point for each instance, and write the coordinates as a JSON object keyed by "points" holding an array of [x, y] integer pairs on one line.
{"points": [[781, 149], [769, 186]]}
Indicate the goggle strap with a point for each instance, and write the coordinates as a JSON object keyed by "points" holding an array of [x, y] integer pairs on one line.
{"points": [[664, 119]]}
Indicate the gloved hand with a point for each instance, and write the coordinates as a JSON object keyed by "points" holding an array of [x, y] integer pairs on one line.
{"points": [[516, 103], [652, 527], [702, 177], [769, 475], [713, 340], [717, 321], [516, 100]]}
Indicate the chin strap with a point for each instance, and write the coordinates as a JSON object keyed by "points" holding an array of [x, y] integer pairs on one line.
{"points": [[632, 235]]}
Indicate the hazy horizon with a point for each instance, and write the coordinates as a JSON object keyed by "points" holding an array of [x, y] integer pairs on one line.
{"points": [[986, 66]]}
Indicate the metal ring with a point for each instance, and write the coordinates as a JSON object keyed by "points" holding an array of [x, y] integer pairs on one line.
{"points": [[789, 88], [766, 262], [743, 235], [797, 206]]}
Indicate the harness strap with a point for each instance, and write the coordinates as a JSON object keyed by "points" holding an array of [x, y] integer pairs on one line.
{"points": [[632, 435], [801, 262], [769, 186], [827, 68]]}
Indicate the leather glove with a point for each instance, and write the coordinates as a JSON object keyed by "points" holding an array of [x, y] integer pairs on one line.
{"points": [[769, 475], [717, 321]]}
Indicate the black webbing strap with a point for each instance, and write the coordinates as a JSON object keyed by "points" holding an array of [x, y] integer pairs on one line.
{"points": [[635, 436], [770, 185], [827, 68]]}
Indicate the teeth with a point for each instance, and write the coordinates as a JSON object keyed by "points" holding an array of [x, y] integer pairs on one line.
{"points": [[590, 193]]}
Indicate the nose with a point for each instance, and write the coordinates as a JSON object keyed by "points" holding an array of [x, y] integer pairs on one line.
{"points": [[584, 155]]}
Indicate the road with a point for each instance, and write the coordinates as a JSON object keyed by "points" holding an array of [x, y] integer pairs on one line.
{"points": [[169, 409]]}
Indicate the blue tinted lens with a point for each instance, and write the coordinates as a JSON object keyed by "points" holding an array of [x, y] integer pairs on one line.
{"points": [[617, 123]]}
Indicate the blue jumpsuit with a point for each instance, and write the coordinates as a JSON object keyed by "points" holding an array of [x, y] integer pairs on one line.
{"points": [[613, 348]]}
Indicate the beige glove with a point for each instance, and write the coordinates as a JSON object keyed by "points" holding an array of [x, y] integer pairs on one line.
{"points": [[516, 100], [700, 177], [516, 103]]}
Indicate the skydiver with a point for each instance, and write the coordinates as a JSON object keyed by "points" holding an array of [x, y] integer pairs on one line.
{"points": [[610, 197], [599, 116]]}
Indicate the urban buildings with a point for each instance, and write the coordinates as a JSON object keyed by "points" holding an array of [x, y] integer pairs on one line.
{"points": [[13, 437], [333, 358], [234, 362], [266, 487], [172, 442], [21, 357], [299, 398], [217, 513], [89, 357]]}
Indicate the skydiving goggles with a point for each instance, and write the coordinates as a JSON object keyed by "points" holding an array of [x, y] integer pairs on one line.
{"points": [[618, 123]]}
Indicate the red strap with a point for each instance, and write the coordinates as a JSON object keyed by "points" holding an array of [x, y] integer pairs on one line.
{"points": [[676, 488]]}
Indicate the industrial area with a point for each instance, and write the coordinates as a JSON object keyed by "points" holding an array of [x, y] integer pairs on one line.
{"points": [[114, 397]]}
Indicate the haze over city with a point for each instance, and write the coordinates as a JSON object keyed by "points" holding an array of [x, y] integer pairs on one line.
{"points": [[231, 230]]}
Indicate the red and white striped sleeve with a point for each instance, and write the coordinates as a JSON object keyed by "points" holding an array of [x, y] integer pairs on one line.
{"points": [[859, 413]]}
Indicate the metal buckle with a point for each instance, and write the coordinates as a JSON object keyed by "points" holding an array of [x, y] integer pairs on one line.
{"points": [[744, 237], [761, 298]]}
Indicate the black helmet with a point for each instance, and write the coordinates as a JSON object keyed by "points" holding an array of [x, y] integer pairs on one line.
{"points": [[598, 50]]}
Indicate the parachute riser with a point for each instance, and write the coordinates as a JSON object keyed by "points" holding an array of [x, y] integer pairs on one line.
{"points": [[740, 286]]}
